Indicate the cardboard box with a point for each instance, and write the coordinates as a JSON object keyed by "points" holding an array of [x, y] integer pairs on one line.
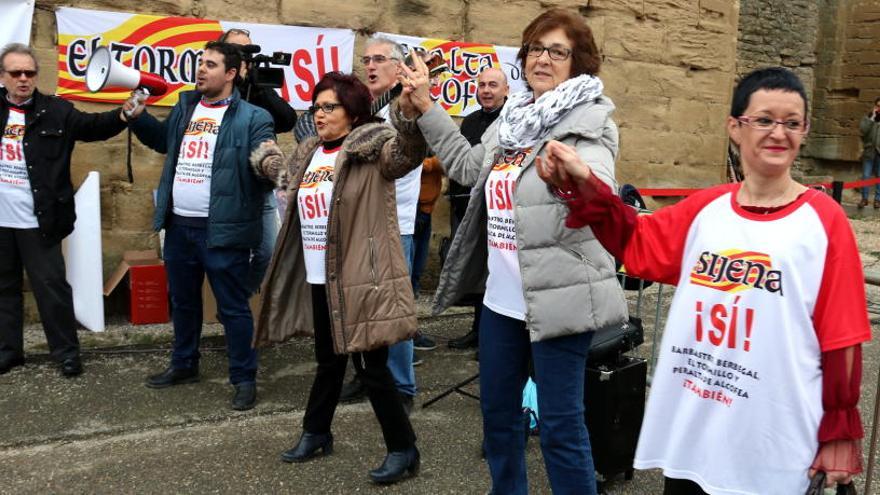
{"points": [[147, 284], [209, 304]]}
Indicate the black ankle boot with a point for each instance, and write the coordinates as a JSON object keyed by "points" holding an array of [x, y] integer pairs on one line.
{"points": [[308, 446], [397, 466]]}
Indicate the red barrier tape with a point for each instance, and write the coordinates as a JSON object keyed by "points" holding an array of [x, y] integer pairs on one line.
{"points": [[687, 192]]}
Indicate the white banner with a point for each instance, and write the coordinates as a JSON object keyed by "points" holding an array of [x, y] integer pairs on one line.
{"points": [[171, 46], [82, 256], [457, 92], [15, 21]]}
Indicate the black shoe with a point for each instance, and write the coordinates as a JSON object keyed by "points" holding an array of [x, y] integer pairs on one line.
{"points": [[397, 466], [6, 365], [171, 377], [353, 391], [467, 341], [407, 401], [71, 367], [245, 396], [308, 446], [423, 343]]}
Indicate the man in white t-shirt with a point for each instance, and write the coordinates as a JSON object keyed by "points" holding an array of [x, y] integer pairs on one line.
{"points": [[36, 205], [382, 59], [210, 204]]}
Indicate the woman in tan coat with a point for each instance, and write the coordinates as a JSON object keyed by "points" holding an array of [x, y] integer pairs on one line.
{"points": [[338, 266]]}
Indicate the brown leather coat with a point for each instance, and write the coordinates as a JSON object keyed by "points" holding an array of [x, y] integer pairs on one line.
{"points": [[369, 292]]}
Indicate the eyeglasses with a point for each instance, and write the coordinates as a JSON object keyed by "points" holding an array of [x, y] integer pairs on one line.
{"points": [[766, 124], [238, 31], [556, 52], [377, 59], [30, 74], [324, 107]]}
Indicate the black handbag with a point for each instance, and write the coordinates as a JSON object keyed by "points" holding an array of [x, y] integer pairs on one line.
{"points": [[817, 486], [610, 342]]}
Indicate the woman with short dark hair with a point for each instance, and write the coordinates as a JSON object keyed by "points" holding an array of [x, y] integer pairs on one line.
{"points": [[338, 266], [757, 383], [547, 288]]}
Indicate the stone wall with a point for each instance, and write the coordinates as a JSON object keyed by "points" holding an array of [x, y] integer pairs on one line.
{"points": [[832, 45], [775, 33], [668, 64], [847, 82]]}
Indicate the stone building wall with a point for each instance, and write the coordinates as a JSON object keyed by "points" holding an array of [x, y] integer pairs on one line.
{"points": [[847, 82], [834, 46], [668, 65], [778, 33]]}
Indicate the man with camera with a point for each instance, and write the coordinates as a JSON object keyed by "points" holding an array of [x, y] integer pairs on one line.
{"points": [[259, 91], [870, 129]]}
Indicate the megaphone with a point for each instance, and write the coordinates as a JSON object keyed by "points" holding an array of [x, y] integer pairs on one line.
{"points": [[105, 71]]}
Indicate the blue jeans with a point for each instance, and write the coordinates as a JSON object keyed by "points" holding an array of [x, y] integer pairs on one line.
{"points": [[870, 169], [262, 255], [187, 261], [421, 245], [559, 374], [400, 355]]}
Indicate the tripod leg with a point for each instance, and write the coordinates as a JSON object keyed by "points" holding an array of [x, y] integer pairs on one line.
{"points": [[454, 388]]}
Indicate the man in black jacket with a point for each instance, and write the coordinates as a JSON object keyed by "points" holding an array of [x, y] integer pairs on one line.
{"points": [[36, 205], [284, 118], [491, 93]]}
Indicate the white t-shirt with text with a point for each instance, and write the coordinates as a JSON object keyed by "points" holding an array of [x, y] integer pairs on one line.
{"points": [[313, 204], [192, 178], [16, 198], [504, 289]]}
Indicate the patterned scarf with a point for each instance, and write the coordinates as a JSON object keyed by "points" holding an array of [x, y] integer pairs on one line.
{"points": [[525, 122]]}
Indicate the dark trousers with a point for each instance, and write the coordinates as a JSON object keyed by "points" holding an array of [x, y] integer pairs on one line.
{"points": [[187, 260], [421, 245], [22, 248], [675, 486], [371, 368]]}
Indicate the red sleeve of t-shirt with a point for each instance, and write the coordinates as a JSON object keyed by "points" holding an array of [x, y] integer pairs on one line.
{"points": [[840, 316], [650, 246]]}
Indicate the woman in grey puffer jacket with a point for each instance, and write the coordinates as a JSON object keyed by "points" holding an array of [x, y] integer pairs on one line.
{"points": [[547, 287]]}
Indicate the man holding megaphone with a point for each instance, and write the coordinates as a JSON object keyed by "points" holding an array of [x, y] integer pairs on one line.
{"points": [[36, 205], [210, 204]]}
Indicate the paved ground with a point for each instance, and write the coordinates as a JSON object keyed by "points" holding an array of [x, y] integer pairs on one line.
{"points": [[105, 432]]}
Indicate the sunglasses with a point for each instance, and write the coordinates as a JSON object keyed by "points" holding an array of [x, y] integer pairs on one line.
{"points": [[30, 74]]}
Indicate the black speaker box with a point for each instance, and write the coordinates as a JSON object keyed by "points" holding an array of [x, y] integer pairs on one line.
{"points": [[614, 399]]}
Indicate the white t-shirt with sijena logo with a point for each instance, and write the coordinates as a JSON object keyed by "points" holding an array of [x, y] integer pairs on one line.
{"points": [[313, 206], [16, 199], [504, 290], [192, 177]]}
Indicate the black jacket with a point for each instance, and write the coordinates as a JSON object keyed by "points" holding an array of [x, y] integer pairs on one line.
{"points": [[283, 115], [52, 126]]}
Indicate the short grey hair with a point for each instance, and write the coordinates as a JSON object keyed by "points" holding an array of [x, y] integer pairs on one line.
{"points": [[396, 48], [21, 49]]}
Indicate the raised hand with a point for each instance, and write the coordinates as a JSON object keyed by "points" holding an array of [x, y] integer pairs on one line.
{"points": [[133, 106], [416, 85]]}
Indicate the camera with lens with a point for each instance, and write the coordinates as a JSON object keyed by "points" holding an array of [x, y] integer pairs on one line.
{"points": [[260, 72]]}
